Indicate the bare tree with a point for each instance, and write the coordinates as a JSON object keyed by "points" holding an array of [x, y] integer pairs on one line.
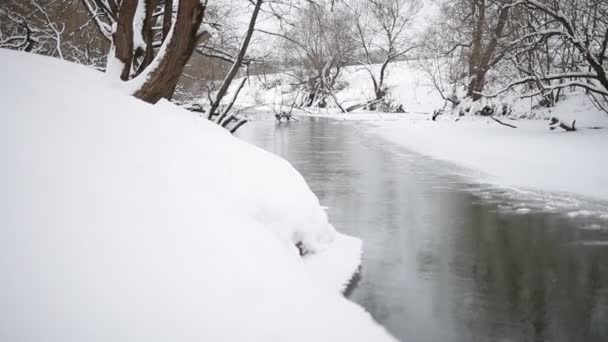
{"points": [[53, 28], [320, 40], [380, 32], [470, 34], [237, 63], [226, 117], [571, 37], [317, 44]]}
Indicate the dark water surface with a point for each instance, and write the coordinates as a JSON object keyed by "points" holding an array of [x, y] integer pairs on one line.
{"points": [[443, 262]]}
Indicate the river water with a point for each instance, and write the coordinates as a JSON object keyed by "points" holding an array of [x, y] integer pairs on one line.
{"points": [[446, 259]]}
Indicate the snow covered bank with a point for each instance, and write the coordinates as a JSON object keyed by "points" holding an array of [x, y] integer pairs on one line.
{"points": [[123, 221], [530, 156]]}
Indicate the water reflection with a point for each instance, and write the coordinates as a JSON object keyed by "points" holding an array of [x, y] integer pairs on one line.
{"points": [[443, 263]]}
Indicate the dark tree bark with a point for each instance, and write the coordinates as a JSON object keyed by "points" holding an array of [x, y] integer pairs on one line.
{"points": [[148, 35], [161, 81], [167, 17], [379, 87], [123, 37], [482, 57], [476, 73]]}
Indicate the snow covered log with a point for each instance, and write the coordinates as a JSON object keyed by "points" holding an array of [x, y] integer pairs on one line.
{"points": [[557, 123]]}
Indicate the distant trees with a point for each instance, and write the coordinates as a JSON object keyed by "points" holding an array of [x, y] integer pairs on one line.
{"points": [[472, 49], [320, 37], [468, 33], [43, 27], [563, 44], [318, 41], [381, 35], [534, 47]]}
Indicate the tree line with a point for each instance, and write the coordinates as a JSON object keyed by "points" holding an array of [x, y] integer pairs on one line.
{"points": [[471, 50]]}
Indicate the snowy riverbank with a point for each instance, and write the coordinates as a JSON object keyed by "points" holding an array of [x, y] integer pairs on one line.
{"points": [[529, 156], [123, 221]]}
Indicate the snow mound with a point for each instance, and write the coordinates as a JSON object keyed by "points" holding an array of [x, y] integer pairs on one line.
{"points": [[123, 221]]}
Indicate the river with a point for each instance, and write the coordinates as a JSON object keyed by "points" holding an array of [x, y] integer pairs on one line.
{"points": [[446, 259]]}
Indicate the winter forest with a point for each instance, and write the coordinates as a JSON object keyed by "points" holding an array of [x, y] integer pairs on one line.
{"points": [[303, 170]]}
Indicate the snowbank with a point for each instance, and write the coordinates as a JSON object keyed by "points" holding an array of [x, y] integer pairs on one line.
{"points": [[123, 221]]}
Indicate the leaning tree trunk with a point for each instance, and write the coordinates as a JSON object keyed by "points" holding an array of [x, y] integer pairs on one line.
{"points": [[168, 65], [237, 62]]}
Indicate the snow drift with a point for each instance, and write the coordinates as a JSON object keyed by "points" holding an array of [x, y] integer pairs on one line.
{"points": [[123, 221]]}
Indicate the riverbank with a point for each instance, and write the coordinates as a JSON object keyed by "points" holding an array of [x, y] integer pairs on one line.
{"points": [[530, 156], [127, 221]]}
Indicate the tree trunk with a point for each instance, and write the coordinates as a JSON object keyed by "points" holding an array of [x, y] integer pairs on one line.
{"points": [[167, 17], [476, 48], [166, 69], [148, 35], [380, 88], [477, 83], [481, 58], [123, 37]]}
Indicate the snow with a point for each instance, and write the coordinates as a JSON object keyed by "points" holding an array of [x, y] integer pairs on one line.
{"points": [[204, 28], [124, 221], [114, 66], [337, 263]]}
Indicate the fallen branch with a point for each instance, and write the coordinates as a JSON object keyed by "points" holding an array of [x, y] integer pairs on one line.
{"points": [[554, 124], [238, 125], [337, 103], [502, 123], [234, 97], [368, 103], [436, 113]]}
